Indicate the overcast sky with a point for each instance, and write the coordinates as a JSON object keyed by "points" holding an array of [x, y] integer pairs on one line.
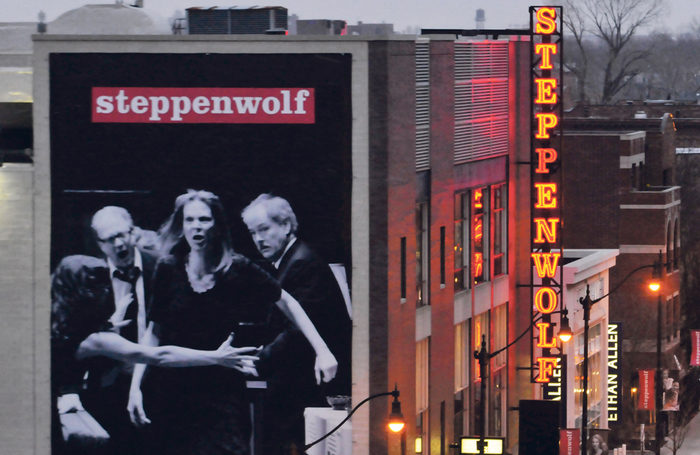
{"points": [[402, 13]]}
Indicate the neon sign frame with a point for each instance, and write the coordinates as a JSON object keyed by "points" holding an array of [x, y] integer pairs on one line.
{"points": [[546, 214]]}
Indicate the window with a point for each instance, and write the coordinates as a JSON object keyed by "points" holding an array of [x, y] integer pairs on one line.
{"points": [[676, 315], [422, 374], [669, 249], [677, 249], [500, 231], [422, 393], [461, 241], [480, 328], [500, 335], [480, 234], [442, 257], [595, 358], [403, 269], [422, 253], [463, 355], [668, 325]]}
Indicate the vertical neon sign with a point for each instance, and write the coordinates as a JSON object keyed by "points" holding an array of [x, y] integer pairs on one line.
{"points": [[546, 177]]}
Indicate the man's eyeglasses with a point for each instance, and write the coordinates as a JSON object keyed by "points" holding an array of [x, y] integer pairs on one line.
{"points": [[123, 236]]}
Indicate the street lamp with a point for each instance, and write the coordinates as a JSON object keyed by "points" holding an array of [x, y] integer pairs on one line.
{"points": [[484, 357], [586, 302], [657, 276], [395, 422]]}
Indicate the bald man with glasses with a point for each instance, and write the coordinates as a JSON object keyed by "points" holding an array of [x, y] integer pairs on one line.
{"points": [[105, 393]]}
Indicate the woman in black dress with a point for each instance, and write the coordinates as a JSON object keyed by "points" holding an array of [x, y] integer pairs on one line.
{"points": [[202, 290]]}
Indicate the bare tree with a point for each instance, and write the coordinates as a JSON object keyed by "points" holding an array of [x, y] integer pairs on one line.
{"points": [[614, 23]]}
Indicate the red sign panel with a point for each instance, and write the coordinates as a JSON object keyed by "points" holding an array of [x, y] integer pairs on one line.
{"points": [[646, 390], [695, 353], [202, 105], [570, 441]]}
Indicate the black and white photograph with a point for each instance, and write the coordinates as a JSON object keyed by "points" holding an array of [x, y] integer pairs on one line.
{"points": [[200, 250]]}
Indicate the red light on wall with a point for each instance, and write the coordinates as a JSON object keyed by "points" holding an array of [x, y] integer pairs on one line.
{"points": [[545, 93], [546, 21], [546, 50], [552, 299], [542, 342], [545, 195], [545, 157], [546, 368], [545, 122], [546, 229], [546, 264]]}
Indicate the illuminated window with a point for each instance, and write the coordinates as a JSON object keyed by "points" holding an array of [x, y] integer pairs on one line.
{"points": [[422, 253], [422, 391], [480, 327], [463, 355], [461, 241], [480, 231], [595, 377], [422, 374], [500, 230]]}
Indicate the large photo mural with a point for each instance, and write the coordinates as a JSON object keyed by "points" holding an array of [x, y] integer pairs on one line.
{"points": [[200, 250]]}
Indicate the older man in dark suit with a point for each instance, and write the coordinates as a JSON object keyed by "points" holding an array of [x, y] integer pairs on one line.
{"points": [[287, 362], [106, 391]]}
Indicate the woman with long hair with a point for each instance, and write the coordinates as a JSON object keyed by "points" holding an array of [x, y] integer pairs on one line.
{"points": [[203, 289], [597, 446]]}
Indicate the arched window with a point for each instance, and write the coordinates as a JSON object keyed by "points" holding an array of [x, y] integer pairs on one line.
{"points": [[669, 248]]}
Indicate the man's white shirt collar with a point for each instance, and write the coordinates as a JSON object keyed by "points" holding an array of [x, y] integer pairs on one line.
{"points": [[289, 245]]}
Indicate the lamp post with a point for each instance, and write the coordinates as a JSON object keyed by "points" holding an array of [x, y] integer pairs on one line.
{"points": [[586, 302], [655, 286], [484, 357], [395, 423]]}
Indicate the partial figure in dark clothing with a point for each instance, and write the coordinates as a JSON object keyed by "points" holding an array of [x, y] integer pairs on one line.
{"points": [[284, 362], [85, 339]]}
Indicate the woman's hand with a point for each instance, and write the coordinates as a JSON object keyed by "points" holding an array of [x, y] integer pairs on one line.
{"points": [[135, 408], [236, 358], [326, 367]]}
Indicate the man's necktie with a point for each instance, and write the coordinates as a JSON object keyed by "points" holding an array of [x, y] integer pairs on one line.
{"points": [[131, 276]]}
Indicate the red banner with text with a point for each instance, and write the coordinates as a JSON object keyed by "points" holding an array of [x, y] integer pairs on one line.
{"points": [[646, 390], [695, 353], [202, 105], [570, 441]]}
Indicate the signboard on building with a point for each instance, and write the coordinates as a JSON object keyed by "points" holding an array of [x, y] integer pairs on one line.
{"points": [[646, 390], [695, 350], [224, 178], [570, 441], [614, 372], [546, 177]]}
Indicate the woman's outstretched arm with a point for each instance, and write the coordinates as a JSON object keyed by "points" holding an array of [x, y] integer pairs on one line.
{"points": [[110, 344], [326, 364]]}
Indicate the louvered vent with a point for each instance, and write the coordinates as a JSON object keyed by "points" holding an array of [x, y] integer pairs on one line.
{"points": [[422, 105], [481, 100]]}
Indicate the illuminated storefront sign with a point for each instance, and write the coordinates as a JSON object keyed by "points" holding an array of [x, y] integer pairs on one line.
{"points": [[554, 389], [546, 178], [614, 371]]}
